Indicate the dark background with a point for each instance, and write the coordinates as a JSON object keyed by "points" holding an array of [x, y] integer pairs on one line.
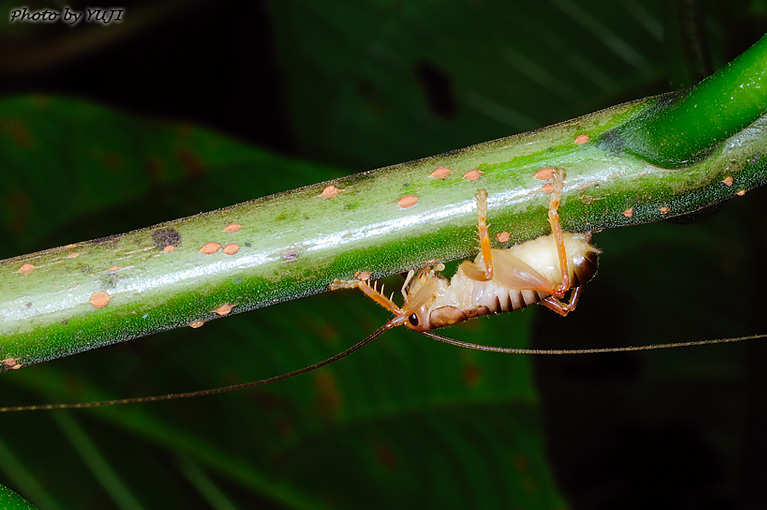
{"points": [[349, 86]]}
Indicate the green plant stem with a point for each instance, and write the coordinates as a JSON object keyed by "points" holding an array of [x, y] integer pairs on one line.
{"points": [[683, 127], [295, 243]]}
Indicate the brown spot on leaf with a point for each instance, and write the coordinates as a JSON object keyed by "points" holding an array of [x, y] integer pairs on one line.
{"points": [[741, 193], [164, 237], [440, 172], [197, 324], [114, 268], [727, 181], [155, 168], [547, 188], [385, 456], [471, 375], [210, 248], [100, 299], [473, 175], [545, 173], [73, 255], [407, 201], [224, 309], [112, 161], [18, 209], [190, 162], [233, 227], [329, 397], [664, 210], [231, 248], [27, 268], [581, 139], [628, 213], [330, 191], [19, 133], [169, 249], [10, 362], [503, 237]]}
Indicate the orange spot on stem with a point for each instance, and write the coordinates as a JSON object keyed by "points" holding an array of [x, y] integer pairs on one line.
{"points": [[664, 210], [210, 248], [233, 227], [168, 249], [547, 188], [473, 175], [503, 237], [330, 192], [628, 213], [197, 324], [727, 181], [26, 268], [114, 268], [73, 255], [224, 309], [545, 173], [741, 193], [100, 299], [407, 201], [440, 172], [581, 139], [231, 248]]}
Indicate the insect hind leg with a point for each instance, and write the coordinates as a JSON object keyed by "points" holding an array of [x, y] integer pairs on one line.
{"points": [[556, 230], [561, 307]]}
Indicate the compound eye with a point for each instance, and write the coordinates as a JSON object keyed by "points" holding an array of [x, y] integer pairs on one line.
{"points": [[413, 319]]}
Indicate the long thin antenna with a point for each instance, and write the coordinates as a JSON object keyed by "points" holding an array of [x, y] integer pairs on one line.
{"points": [[600, 350], [201, 393]]}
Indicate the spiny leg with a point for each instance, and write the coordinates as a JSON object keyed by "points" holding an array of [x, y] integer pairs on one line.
{"points": [[375, 295]]}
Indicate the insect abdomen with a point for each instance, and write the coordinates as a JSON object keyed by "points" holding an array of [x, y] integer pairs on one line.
{"points": [[467, 297]]}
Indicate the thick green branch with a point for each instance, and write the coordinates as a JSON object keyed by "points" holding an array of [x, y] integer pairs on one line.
{"points": [[293, 244], [682, 127]]}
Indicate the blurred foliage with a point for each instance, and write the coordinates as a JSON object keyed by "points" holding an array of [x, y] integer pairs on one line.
{"points": [[405, 422]]}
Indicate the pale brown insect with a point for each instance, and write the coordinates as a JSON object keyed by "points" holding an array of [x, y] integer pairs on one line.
{"points": [[541, 271]]}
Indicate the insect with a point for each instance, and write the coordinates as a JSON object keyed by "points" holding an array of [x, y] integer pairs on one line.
{"points": [[543, 270]]}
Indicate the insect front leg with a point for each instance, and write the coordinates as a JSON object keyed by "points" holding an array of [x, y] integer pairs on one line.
{"points": [[375, 295]]}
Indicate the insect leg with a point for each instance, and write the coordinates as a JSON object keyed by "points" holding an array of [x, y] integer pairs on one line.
{"points": [[371, 292], [484, 238], [556, 230], [559, 306]]}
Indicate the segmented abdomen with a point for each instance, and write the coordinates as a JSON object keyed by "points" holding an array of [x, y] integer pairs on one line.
{"points": [[466, 297]]}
